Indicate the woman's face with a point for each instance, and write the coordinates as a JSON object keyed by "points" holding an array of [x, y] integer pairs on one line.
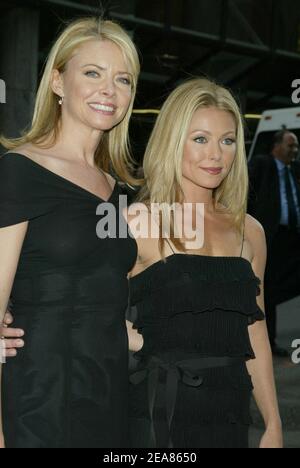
{"points": [[96, 85], [210, 148]]}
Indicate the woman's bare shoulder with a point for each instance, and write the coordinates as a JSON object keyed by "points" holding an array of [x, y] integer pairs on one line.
{"points": [[254, 228], [255, 235]]}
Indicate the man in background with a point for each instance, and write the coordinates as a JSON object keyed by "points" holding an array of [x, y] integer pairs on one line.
{"points": [[275, 202]]}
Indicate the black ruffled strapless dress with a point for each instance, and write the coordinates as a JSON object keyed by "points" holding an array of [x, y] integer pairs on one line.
{"points": [[191, 388]]}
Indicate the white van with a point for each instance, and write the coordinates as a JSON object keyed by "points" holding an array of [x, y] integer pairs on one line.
{"points": [[271, 122]]}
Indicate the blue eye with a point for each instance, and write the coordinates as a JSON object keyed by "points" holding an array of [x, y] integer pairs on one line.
{"points": [[125, 81], [92, 73], [201, 140], [229, 141]]}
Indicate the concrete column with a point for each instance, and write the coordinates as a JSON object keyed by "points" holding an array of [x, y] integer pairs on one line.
{"points": [[19, 34]]}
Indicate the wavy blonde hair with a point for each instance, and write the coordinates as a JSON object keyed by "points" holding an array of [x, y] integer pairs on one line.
{"points": [[164, 153], [114, 147]]}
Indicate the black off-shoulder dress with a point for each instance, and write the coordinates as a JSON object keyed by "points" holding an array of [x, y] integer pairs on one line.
{"points": [[68, 387], [191, 388]]}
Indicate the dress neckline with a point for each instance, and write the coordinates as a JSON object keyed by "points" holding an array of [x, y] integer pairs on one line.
{"points": [[175, 255], [64, 179]]}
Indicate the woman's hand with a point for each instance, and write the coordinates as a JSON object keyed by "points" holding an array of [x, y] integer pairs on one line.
{"points": [[272, 438], [12, 336], [135, 339], [2, 444]]}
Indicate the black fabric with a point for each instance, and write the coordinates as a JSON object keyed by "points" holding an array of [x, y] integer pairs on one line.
{"points": [[197, 307], [185, 369], [264, 198], [69, 386]]}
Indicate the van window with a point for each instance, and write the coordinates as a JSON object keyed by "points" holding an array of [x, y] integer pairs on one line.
{"points": [[264, 140]]}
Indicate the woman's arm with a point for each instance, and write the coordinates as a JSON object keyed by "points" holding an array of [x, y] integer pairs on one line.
{"points": [[11, 241], [261, 368], [135, 339]]}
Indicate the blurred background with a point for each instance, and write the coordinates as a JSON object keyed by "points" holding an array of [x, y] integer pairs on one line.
{"points": [[252, 47]]}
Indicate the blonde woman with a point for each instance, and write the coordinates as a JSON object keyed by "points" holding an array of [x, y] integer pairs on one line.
{"points": [[202, 344], [69, 289]]}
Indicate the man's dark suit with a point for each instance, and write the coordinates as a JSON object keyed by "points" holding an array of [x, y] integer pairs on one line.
{"points": [[282, 280]]}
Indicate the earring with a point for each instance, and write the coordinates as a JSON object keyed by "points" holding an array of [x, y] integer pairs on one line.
{"points": [[60, 102]]}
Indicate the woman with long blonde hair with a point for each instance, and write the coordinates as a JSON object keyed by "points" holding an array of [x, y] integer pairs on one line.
{"points": [[202, 345], [69, 290]]}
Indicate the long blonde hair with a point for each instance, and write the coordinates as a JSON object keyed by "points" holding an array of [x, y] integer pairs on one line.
{"points": [[164, 153], [114, 148]]}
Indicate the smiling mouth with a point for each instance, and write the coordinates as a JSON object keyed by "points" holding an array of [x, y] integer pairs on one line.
{"points": [[104, 109]]}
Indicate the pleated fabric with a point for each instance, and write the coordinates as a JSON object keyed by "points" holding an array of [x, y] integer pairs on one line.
{"points": [[200, 307]]}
